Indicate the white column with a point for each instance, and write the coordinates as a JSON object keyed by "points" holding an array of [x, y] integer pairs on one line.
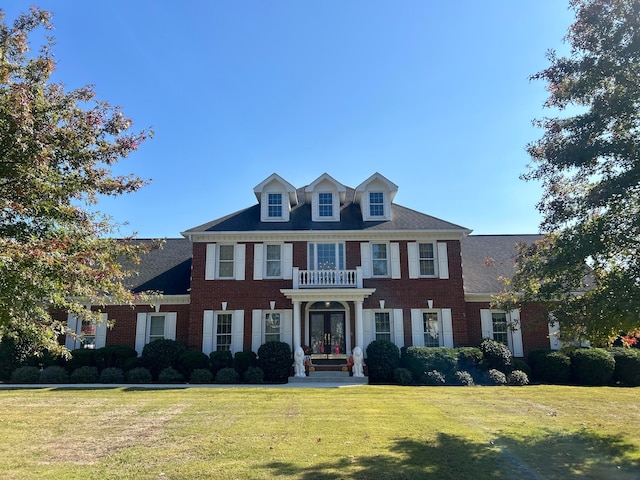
{"points": [[359, 325], [296, 325]]}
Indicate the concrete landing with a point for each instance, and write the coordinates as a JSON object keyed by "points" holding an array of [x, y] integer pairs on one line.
{"points": [[336, 377]]}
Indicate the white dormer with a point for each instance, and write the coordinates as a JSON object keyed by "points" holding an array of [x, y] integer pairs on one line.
{"points": [[375, 196], [325, 195], [276, 197]]}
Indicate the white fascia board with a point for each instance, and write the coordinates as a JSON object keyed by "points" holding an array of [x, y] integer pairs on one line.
{"points": [[184, 299]]}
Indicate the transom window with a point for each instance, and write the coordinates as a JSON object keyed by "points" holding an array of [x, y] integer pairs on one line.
{"points": [[325, 204], [383, 326], [500, 330], [225, 261], [223, 332], [427, 260], [379, 259], [156, 327], [272, 327], [275, 205], [326, 256], [431, 329], [376, 204], [274, 261]]}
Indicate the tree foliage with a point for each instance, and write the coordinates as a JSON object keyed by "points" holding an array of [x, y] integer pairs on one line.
{"points": [[586, 269], [57, 150]]}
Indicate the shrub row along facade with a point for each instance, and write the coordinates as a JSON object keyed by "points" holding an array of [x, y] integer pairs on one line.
{"points": [[325, 267]]}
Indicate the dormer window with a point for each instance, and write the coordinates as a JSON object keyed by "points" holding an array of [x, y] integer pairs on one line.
{"points": [[325, 204], [376, 204], [325, 195], [274, 208], [276, 197], [375, 196]]}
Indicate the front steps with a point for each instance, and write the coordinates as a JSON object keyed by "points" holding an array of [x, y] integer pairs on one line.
{"points": [[330, 376]]}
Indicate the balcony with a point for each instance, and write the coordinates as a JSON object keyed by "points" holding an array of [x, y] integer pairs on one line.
{"points": [[327, 278]]}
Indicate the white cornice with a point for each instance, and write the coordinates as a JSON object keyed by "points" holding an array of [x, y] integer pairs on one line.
{"points": [[320, 294]]}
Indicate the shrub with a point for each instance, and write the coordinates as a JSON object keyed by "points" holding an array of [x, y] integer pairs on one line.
{"points": [[26, 374], [170, 375], [201, 375], [85, 375], [192, 360], [469, 358], [254, 375], [496, 377], [434, 377], [81, 357], [160, 354], [244, 360], [383, 357], [402, 376], [518, 377], [592, 366], [54, 374], [519, 364], [275, 360], [8, 358], [496, 355], [227, 375], [464, 378], [131, 363], [425, 359], [114, 356], [550, 366], [139, 375], [627, 369], [220, 360], [112, 375]]}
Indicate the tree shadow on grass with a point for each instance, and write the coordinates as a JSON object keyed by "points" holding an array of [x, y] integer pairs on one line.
{"points": [[551, 456]]}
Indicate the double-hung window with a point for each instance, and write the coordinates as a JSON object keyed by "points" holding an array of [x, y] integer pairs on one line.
{"points": [[380, 259], [427, 260], [382, 326], [431, 329], [223, 332], [156, 327], [272, 326], [376, 204], [326, 256], [225, 261], [273, 261], [274, 207], [88, 337], [325, 204], [500, 327]]}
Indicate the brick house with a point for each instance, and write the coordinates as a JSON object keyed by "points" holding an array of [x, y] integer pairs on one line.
{"points": [[328, 267]]}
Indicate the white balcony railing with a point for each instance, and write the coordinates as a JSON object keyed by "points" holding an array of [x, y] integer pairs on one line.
{"points": [[327, 278]]}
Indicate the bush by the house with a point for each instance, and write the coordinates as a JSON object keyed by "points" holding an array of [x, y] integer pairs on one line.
{"points": [[425, 359], [131, 363], [219, 360], [402, 376], [227, 375], [495, 355], [8, 359], [496, 377], [518, 378], [170, 375], [275, 360], [113, 356], [627, 369], [81, 357], [192, 360], [469, 359], [160, 354], [201, 375], [592, 366], [550, 366], [434, 377], [112, 375], [383, 357], [464, 378], [54, 374], [244, 360], [26, 374], [254, 375], [85, 374], [519, 364], [139, 375]]}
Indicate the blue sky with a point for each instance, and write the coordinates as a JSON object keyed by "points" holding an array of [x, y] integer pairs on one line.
{"points": [[434, 95]]}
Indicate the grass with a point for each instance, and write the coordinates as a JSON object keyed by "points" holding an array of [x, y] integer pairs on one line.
{"points": [[369, 432]]}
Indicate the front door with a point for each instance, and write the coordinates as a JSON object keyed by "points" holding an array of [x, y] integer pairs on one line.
{"points": [[327, 333]]}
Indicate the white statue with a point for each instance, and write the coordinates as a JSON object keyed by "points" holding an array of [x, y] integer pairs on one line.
{"points": [[298, 357], [358, 361]]}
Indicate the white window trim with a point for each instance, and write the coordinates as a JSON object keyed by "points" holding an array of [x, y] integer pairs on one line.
{"points": [[440, 261], [388, 260], [212, 265], [75, 325], [369, 205], [336, 244], [335, 206], [142, 327], [445, 326], [514, 331], [210, 330], [375, 330], [395, 320]]}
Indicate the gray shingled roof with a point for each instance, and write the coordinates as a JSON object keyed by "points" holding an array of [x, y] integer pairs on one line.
{"points": [[485, 258], [402, 218]]}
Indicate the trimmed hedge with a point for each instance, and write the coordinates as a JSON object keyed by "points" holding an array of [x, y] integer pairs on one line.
{"points": [[592, 366], [419, 360], [254, 375], [201, 375], [81, 357], [496, 355], [139, 375], [54, 374], [402, 376], [550, 366], [161, 354], [627, 369], [275, 360], [113, 356], [227, 375], [383, 357], [85, 374], [243, 360], [192, 360], [26, 374], [219, 360], [112, 375], [170, 375]]}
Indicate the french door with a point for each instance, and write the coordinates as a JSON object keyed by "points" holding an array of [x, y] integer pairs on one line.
{"points": [[327, 333]]}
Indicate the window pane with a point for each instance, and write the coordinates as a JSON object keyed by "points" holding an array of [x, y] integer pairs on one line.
{"points": [[500, 331], [325, 204], [225, 262], [88, 334], [272, 327], [376, 204], [379, 255], [427, 259], [156, 326], [326, 256], [223, 332], [273, 260], [431, 333], [275, 205]]}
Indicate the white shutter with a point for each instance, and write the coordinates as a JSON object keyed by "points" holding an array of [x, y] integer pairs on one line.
{"points": [[417, 328], [516, 334], [286, 325], [365, 259], [486, 323], [256, 330], [443, 261], [414, 262], [398, 327], [369, 334], [554, 341], [141, 332], [258, 260], [170, 320], [447, 327], [210, 262], [207, 332], [237, 327], [101, 332], [72, 325], [287, 261], [239, 261], [395, 259]]}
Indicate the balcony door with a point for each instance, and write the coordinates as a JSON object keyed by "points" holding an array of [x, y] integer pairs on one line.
{"points": [[327, 334]]}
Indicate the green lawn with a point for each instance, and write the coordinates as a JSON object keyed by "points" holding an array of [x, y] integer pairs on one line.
{"points": [[369, 432]]}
